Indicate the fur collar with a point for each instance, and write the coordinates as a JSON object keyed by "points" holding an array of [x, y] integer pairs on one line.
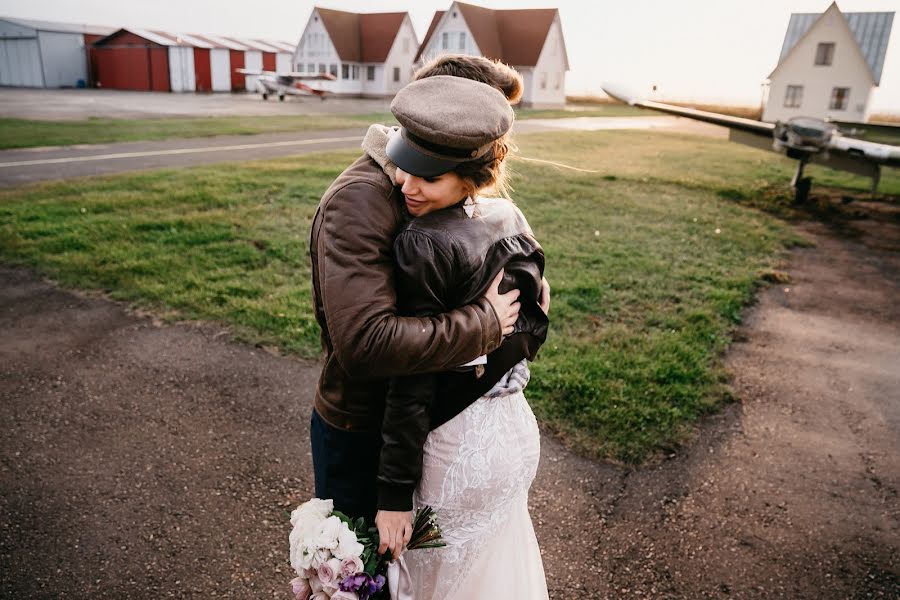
{"points": [[374, 144]]}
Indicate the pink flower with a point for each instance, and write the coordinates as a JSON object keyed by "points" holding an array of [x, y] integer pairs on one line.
{"points": [[351, 566], [341, 595], [328, 572], [300, 588], [315, 585], [319, 596]]}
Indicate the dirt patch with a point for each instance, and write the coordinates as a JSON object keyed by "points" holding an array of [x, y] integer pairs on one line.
{"points": [[148, 461]]}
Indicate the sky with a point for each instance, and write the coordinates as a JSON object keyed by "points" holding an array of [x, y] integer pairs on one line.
{"points": [[709, 51]]}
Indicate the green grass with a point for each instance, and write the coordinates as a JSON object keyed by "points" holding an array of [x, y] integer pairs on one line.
{"points": [[596, 110], [21, 133], [645, 292]]}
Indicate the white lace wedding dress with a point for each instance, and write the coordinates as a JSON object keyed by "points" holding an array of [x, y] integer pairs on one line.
{"points": [[477, 470]]}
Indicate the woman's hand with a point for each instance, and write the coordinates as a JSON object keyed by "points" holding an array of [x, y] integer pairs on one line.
{"points": [[505, 305], [394, 531], [545, 296]]}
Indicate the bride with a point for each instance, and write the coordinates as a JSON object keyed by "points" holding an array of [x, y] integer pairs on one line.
{"points": [[465, 441]]}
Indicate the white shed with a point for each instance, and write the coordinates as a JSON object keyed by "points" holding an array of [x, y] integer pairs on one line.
{"points": [[46, 54], [829, 64]]}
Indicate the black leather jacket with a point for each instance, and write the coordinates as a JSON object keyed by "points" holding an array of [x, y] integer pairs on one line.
{"points": [[445, 260]]}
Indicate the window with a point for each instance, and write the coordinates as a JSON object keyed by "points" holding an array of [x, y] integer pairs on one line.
{"points": [[543, 81], [396, 73], [839, 98], [445, 40], [355, 72], [310, 68], [557, 81], [824, 53], [794, 96], [321, 67], [370, 73], [345, 71], [333, 69], [462, 40]]}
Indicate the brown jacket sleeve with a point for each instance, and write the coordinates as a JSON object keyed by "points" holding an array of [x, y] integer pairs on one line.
{"points": [[356, 284]]}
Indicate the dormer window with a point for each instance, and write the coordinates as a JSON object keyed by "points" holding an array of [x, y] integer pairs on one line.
{"points": [[825, 53]]}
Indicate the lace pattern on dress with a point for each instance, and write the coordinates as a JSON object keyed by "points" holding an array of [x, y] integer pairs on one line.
{"points": [[476, 466]]}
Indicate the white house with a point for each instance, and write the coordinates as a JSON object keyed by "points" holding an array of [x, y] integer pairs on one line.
{"points": [[829, 64], [531, 40], [370, 54]]}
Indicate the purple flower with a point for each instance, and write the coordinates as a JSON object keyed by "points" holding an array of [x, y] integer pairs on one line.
{"points": [[354, 582], [363, 585]]}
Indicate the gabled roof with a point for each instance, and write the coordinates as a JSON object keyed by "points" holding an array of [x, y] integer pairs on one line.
{"points": [[153, 36], [361, 37], [872, 31], [515, 37], [61, 27], [194, 40]]}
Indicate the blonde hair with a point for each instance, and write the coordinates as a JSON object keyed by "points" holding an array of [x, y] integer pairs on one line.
{"points": [[490, 170]]}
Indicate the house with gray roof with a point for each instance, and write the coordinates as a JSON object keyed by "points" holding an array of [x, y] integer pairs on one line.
{"points": [[829, 65]]}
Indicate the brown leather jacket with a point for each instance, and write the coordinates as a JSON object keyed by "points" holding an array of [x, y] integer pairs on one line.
{"points": [[365, 342]]}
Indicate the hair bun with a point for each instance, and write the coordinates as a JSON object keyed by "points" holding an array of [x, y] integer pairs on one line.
{"points": [[492, 72]]}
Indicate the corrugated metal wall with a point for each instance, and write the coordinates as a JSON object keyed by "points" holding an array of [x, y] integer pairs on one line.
{"points": [[133, 68], [268, 61], [203, 70], [283, 62], [238, 81], [20, 56], [181, 69], [63, 58], [253, 60], [220, 67]]}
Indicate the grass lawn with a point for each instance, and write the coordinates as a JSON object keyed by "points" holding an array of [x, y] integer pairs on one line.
{"points": [[22, 133], [652, 259]]}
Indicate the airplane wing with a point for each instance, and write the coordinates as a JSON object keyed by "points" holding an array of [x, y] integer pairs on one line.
{"points": [[746, 125], [820, 140], [301, 76], [805, 139], [295, 75], [257, 72]]}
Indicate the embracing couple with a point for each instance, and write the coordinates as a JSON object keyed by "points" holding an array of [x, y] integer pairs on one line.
{"points": [[431, 300]]}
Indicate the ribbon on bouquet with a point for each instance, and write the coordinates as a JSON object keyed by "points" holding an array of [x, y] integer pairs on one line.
{"points": [[399, 581]]}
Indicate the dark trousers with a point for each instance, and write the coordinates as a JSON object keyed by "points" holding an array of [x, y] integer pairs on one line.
{"points": [[346, 468]]}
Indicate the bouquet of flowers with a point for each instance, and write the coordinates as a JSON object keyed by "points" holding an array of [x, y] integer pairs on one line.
{"points": [[337, 557]]}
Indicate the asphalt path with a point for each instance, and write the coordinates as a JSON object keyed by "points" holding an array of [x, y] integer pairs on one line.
{"points": [[29, 165]]}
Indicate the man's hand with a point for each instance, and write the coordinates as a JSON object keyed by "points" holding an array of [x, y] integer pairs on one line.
{"points": [[505, 305], [545, 296], [394, 531]]}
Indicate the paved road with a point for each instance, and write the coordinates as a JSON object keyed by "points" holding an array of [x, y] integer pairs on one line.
{"points": [[78, 105], [18, 167]]}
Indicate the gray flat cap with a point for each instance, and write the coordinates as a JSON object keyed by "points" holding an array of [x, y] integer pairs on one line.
{"points": [[446, 121]]}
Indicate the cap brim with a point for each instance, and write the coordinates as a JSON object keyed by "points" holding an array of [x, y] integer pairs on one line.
{"points": [[413, 161]]}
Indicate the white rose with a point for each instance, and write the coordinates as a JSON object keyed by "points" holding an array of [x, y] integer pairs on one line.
{"points": [[327, 536], [347, 545], [315, 506], [320, 556]]}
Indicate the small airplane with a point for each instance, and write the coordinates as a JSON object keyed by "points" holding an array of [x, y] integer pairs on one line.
{"points": [[283, 84], [805, 139]]}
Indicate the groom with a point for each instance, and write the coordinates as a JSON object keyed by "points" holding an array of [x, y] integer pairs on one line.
{"points": [[364, 340]]}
